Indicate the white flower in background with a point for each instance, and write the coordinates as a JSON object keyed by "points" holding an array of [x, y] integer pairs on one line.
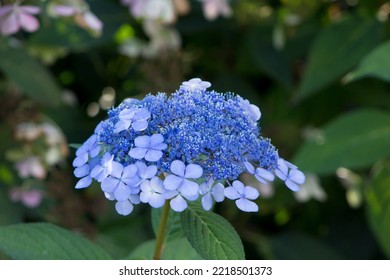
{"points": [[161, 10], [214, 8], [311, 189]]}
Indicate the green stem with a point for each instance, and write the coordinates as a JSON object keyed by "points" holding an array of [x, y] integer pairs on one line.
{"points": [[158, 249]]}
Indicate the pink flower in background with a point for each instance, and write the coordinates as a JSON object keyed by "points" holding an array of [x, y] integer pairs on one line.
{"points": [[30, 198], [214, 8], [15, 17], [31, 166]]}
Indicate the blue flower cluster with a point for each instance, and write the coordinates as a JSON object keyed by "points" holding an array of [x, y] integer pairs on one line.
{"points": [[193, 144]]}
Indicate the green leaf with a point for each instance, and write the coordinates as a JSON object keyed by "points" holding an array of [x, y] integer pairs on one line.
{"points": [[378, 206], [178, 249], [211, 235], [30, 76], [375, 64], [173, 228], [336, 51], [354, 140], [42, 241]]}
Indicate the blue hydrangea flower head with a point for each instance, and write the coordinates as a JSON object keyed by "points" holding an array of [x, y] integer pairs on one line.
{"points": [[192, 144]]}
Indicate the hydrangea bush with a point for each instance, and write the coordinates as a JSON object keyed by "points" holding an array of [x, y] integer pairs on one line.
{"points": [[193, 144]]}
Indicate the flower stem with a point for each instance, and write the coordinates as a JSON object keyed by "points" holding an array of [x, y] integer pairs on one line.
{"points": [[159, 247]]}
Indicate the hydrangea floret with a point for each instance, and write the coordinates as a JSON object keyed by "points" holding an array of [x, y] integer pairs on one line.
{"points": [[192, 144]]}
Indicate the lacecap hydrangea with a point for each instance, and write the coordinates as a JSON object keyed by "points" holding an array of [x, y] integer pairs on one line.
{"points": [[193, 144]]}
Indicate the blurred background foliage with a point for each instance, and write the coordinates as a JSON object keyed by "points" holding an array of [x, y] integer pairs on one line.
{"points": [[318, 69]]}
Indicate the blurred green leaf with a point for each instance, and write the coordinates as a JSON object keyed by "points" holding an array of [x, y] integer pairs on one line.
{"points": [[30, 76], [179, 249], [10, 213], [336, 50], [354, 140], [43, 241], [299, 246], [375, 64], [211, 235], [173, 229], [378, 206]]}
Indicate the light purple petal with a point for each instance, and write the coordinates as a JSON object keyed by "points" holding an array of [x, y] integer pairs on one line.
{"points": [[264, 174], [28, 23], [34, 10], [218, 192], [97, 173], [178, 168], [142, 114], [124, 207], [138, 153], [127, 114], [94, 150], [204, 188], [149, 172], [157, 185], [173, 182], [134, 198], [247, 205], [122, 192], [193, 171], [161, 146], [80, 160], [61, 10], [297, 176], [207, 202], [142, 141], [280, 175], [178, 204], [84, 182], [251, 193], [170, 194], [189, 188], [117, 169], [153, 155], [129, 171], [109, 184], [5, 9], [231, 193], [282, 166], [81, 171], [140, 125], [109, 196], [10, 25], [92, 21]]}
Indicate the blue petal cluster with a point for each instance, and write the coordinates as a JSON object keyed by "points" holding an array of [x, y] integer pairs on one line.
{"points": [[192, 144]]}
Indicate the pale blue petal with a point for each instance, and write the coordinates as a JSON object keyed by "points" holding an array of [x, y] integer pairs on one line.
{"points": [[231, 193], [142, 114], [173, 182], [109, 184], [84, 182], [132, 182], [204, 188], [153, 155], [109, 196], [280, 175], [127, 114], [149, 172], [249, 167], [157, 185], [82, 150], [94, 151], [178, 204], [193, 171], [121, 125], [207, 202], [296, 176], [146, 187], [98, 173], [144, 196], [122, 192], [80, 160], [178, 168], [124, 207], [218, 192], [247, 205], [239, 186], [189, 188], [282, 166], [170, 194], [117, 169], [81, 171], [138, 153], [156, 139], [142, 141], [251, 193], [140, 125], [290, 165], [156, 200], [264, 174], [134, 198], [292, 185], [129, 171], [160, 147]]}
